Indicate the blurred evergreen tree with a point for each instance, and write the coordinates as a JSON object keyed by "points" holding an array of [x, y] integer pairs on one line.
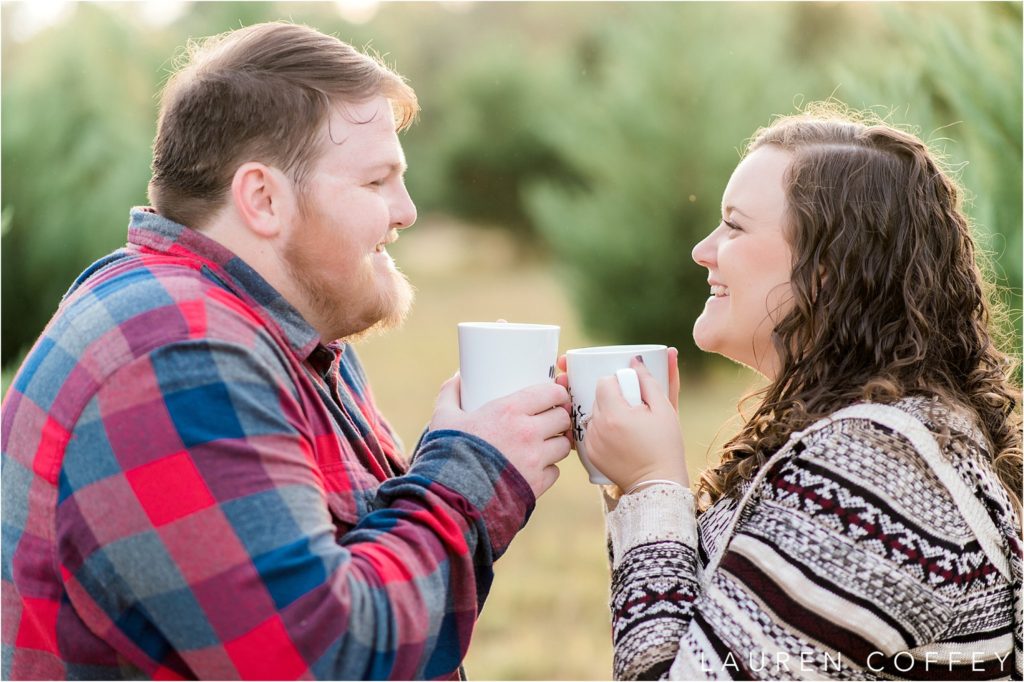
{"points": [[77, 122], [608, 128], [964, 77], [482, 78], [488, 144], [206, 19], [653, 120], [660, 112]]}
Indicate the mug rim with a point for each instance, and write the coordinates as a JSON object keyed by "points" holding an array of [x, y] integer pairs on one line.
{"points": [[507, 326], [625, 348]]}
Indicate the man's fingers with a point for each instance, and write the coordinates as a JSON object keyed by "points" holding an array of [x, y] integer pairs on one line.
{"points": [[449, 397], [541, 397], [554, 422], [561, 363], [548, 477], [555, 449]]}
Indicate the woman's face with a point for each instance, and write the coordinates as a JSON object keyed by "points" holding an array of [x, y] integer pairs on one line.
{"points": [[749, 264]]}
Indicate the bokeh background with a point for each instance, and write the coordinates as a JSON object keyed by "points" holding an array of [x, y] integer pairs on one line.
{"points": [[567, 158]]}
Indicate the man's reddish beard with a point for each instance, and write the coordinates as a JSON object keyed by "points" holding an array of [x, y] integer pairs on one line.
{"points": [[350, 309]]}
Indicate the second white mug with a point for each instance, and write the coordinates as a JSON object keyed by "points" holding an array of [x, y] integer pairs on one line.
{"points": [[586, 365]]}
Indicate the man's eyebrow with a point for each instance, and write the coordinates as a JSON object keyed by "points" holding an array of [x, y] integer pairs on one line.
{"points": [[396, 167]]}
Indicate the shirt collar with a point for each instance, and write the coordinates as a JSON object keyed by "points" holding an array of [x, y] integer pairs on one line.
{"points": [[149, 229]]}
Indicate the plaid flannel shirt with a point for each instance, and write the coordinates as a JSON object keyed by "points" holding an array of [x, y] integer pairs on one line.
{"points": [[195, 487]]}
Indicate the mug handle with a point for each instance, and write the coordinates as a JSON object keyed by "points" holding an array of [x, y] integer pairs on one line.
{"points": [[630, 385]]}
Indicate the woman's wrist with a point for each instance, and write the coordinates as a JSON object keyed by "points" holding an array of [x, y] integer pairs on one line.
{"points": [[656, 513], [651, 482], [665, 476]]}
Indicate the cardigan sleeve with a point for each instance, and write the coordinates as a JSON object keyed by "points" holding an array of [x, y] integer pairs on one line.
{"points": [[653, 541], [849, 560]]}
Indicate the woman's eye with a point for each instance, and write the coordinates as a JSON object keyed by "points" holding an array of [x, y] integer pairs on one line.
{"points": [[732, 226]]}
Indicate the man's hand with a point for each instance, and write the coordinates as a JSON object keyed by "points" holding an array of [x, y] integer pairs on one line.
{"points": [[528, 427]]}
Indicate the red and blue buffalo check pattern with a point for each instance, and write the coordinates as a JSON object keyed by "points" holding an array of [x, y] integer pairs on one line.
{"points": [[194, 486]]}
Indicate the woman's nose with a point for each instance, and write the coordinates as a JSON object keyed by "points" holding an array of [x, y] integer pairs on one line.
{"points": [[703, 253]]}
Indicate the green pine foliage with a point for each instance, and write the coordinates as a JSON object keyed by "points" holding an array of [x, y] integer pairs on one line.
{"points": [[659, 115], [78, 120], [485, 173], [965, 82], [661, 111], [600, 134]]}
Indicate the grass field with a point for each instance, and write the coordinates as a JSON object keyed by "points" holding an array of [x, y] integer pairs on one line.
{"points": [[547, 615]]}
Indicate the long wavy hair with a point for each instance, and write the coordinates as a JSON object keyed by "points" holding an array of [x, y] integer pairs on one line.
{"points": [[888, 299]]}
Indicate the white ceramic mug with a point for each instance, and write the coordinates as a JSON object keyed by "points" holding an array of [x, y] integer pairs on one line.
{"points": [[586, 365], [497, 359]]}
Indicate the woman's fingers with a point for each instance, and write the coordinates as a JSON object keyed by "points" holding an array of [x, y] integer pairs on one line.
{"points": [[673, 378]]}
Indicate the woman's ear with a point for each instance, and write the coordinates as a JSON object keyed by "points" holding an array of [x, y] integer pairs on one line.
{"points": [[822, 277], [264, 198]]}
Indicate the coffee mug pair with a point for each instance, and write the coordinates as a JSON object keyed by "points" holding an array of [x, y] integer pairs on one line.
{"points": [[499, 358]]}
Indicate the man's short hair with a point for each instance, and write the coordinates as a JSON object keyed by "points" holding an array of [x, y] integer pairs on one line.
{"points": [[260, 93]]}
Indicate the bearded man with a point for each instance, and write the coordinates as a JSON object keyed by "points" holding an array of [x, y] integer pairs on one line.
{"points": [[196, 480]]}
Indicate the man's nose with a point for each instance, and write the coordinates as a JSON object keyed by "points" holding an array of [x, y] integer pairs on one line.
{"points": [[403, 213]]}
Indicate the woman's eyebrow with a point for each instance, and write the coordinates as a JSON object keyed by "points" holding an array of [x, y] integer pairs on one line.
{"points": [[733, 209]]}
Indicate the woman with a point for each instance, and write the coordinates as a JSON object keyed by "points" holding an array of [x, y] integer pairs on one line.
{"points": [[874, 541]]}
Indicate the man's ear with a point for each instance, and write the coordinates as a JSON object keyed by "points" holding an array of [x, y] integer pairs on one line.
{"points": [[264, 198]]}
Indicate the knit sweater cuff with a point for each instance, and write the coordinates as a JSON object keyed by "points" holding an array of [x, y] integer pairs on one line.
{"points": [[656, 514]]}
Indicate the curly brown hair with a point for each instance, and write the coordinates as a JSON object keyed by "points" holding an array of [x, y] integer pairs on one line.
{"points": [[888, 299]]}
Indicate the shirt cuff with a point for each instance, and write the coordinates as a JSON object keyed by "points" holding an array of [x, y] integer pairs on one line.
{"points": [[655, 514], [476, 470]]}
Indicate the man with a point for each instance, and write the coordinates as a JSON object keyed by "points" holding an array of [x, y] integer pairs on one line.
{"points": [[196, 481]]}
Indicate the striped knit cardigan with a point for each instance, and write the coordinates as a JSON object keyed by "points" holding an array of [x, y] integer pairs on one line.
{"points": [[851, 555]]}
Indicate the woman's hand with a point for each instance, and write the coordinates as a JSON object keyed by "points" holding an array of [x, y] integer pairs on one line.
{"points": [[563, 380], [633, 444]]}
